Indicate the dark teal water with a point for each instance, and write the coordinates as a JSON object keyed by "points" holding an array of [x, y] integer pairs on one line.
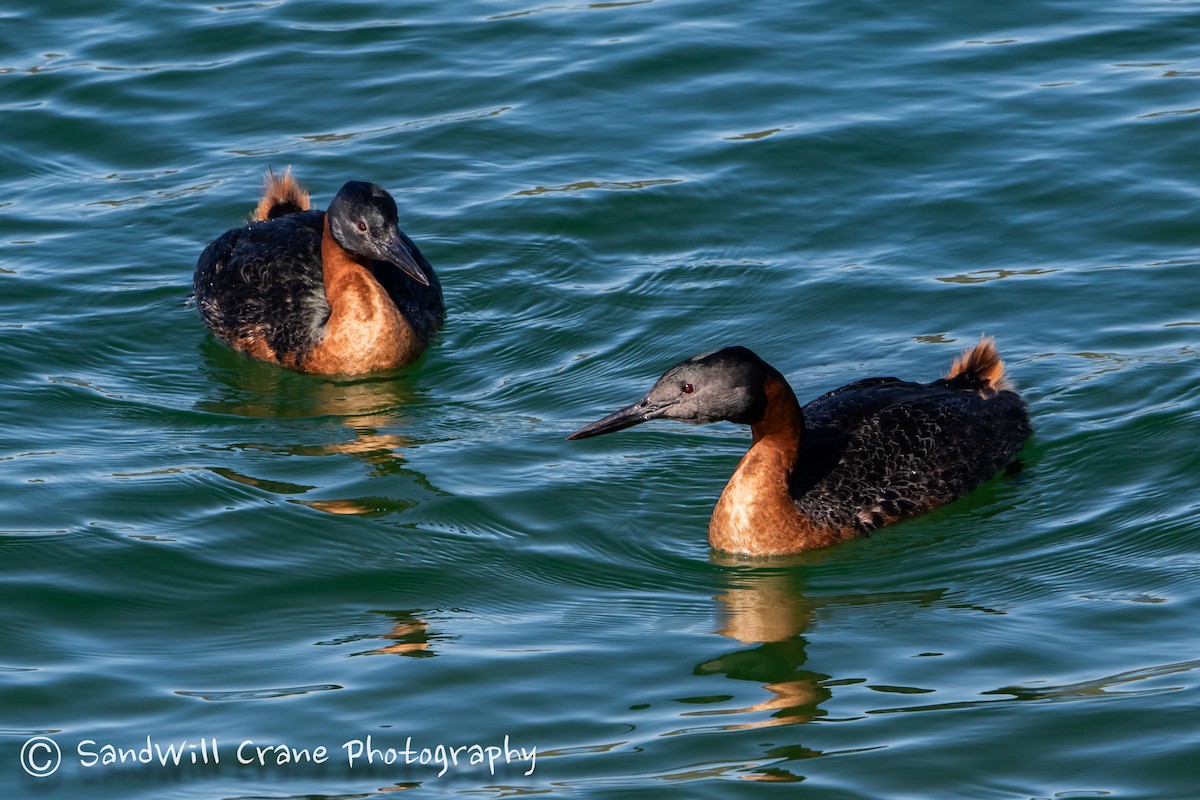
{"points": [[197, 547]]}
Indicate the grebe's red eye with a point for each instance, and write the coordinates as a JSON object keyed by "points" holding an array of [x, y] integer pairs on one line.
{"points": [[362, 226], [688, 388]]}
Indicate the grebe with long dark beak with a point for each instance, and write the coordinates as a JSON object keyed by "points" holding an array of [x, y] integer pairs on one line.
{"points": [[872, 452]]}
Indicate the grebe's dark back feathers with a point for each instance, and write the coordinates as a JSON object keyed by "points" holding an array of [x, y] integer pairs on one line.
{"points": [[264, 281], [883, 449]]}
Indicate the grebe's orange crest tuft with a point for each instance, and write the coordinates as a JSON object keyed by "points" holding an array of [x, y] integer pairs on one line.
{"points": [[981, 366], [282, 194]]}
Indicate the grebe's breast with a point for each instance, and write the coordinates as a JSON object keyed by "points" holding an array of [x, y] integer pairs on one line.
{"points": [[265, 280], [882, 449]]}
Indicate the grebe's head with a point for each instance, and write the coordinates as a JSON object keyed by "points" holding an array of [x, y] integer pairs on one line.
{"points": [[363, 219], [723, 385]]}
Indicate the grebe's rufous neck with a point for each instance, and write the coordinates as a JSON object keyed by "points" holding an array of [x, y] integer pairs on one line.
{"points": [[342, 291], [872, 452]]}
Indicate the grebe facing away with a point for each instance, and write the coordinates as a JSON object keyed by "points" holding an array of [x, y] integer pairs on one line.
{"points": [[872, 452], [342, 291]]}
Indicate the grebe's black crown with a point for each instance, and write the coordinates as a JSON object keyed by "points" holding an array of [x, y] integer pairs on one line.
{"points": [[362, 198]]}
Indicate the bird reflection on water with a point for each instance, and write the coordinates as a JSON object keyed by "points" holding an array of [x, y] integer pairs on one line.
{"points": [[766, 611], [367, 408]]}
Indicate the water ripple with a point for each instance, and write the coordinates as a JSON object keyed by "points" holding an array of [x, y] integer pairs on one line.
{"points": [[1096, 689], [259, 694]]}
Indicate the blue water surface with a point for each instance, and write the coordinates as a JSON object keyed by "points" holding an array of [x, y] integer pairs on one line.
{"points": [[212, 561]]}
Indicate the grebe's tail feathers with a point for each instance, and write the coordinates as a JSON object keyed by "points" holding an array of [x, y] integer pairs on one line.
{"points": [[979, 368], [282, 194]]}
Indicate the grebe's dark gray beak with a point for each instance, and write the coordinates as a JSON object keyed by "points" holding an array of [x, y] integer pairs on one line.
{"points": [[641, 411], [391, 248]]}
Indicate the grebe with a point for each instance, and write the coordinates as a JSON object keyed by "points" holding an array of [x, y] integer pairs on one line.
{"points": [[872, 452], [342, 291]]}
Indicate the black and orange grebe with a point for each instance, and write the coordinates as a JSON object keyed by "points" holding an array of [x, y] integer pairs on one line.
{"points": [[872, 452], [342, 291]]}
